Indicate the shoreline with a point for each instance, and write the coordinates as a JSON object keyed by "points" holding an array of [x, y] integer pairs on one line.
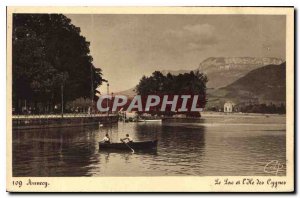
{"points": [[238, 114], [40, 122]]}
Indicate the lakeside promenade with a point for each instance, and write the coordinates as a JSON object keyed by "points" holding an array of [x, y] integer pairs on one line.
{"points": [[55, 121], [67, 115]]}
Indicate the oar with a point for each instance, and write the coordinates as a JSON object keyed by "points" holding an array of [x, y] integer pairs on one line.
{"points": [[127, 146]]}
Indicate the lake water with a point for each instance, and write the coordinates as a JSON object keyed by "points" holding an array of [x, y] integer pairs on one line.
{"points": [[215, 146]]}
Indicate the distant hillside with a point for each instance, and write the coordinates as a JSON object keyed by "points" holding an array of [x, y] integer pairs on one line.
{"points": [[265, 84], [222, 71]]}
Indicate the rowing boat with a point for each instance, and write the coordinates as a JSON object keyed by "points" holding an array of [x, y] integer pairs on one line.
{"points": [[144, 145]]}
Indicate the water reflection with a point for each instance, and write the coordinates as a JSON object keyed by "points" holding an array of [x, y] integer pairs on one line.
{"points": [[209, 147]]}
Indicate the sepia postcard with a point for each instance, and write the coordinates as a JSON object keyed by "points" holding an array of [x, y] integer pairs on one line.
{"points": [[150, 99]]}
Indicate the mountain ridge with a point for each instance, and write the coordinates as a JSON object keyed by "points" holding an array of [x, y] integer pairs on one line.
{"points": [[262, 85], [222, 71]]}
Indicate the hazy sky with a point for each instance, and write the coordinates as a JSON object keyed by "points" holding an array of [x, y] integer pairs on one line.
{"points": [[126, 47]]}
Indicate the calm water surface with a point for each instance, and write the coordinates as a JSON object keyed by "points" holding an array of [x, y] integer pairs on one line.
{"points": [[217, 145]]}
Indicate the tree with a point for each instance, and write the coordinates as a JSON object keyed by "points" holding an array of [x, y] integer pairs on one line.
{"points": [[193, 83], [46, 47]]}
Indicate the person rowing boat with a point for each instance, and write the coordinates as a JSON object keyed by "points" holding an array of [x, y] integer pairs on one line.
{"points": [[127, 139]]}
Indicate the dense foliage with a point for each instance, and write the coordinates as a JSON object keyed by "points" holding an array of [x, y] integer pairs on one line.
{"points": [[193, 83], [270, 108], [264, 108], [187, 83], [48, 53]]}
